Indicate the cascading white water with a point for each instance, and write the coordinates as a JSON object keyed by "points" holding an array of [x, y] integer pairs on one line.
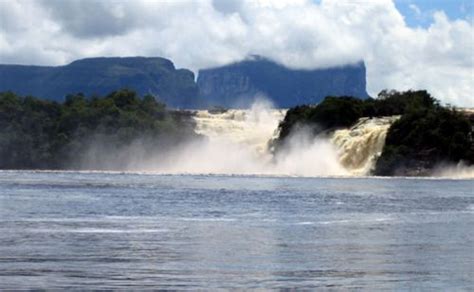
{"points": [[359, 146], [250, 128], [237, 144], [246, 133]]}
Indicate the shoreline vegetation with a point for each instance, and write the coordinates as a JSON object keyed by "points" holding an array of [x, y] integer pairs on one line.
{"points": [[42, 134], [426, 135], [88, 132]]}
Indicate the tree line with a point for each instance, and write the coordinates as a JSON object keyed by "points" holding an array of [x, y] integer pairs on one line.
{"points": [[426, 134], [42, 134]]}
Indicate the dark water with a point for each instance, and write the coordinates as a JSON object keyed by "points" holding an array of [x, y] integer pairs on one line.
{"points": [[132, 231]]}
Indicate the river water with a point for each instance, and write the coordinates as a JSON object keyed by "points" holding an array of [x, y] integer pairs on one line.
{"points": [[94, 230]]}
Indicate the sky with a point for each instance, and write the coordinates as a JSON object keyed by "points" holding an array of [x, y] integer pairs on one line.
{"points": [[419, 13], [405, 44]]}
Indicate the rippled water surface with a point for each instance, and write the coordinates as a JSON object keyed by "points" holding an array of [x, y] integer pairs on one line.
{"points": [[112, 230]]}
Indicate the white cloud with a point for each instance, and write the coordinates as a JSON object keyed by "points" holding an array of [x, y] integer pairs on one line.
{"points": [[415, 9], [198, 34]]}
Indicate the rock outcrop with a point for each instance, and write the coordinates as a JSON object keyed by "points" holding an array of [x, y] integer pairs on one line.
{"points": [[238, 85], [232, 86], [100, 76]]}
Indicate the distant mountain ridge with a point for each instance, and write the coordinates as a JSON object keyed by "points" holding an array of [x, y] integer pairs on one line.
{"points": [[234, 85], [100, 76], [238, 84]]}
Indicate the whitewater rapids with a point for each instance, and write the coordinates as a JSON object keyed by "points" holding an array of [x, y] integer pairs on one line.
{"points": [[237, 142]]}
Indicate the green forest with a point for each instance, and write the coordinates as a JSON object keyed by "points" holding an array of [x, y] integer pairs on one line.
{"points": [[427, 133], [42, 134]]}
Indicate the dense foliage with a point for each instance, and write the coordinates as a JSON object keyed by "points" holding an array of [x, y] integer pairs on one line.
{"points": [[425, 135], [344, 111], [44, 134], [423, 138], [333, 112]]}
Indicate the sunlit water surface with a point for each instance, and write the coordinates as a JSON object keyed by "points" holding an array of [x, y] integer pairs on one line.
{"points": [[111, 230]]}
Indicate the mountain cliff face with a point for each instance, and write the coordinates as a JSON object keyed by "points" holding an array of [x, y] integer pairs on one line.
{"points": [[100, 76], [232, 86], [238, 84]]}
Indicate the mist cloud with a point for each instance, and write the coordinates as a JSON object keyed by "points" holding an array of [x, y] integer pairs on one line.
{"points": [[201, 34]]}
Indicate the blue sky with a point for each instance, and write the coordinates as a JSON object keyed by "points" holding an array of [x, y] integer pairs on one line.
{"points": [[418, 13]]}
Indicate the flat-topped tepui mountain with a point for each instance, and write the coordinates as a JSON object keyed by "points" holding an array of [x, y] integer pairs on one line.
{"points": [[100, 76], [234, 85], [238, 84]]}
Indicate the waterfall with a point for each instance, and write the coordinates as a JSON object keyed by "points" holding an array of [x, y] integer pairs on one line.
{"points": [[252, 128], [242, 136], [360, 146]]}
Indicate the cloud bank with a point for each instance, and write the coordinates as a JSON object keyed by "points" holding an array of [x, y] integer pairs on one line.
{"points": [[207, 33]]}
